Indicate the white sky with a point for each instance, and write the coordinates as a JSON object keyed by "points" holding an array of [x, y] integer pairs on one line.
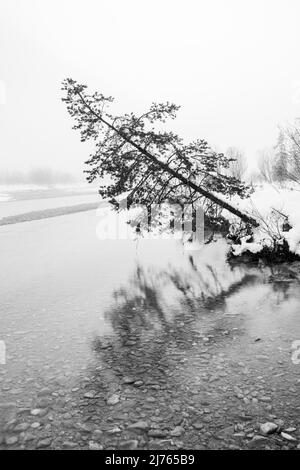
{"points": [[233, 65]]}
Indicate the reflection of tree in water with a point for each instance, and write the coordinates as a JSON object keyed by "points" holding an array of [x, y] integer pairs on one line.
{"points": [[143, 327], [283, 278], [156, 349], [138, 305], [155, 302], [158, 320], [159, 311], [212, 293]]}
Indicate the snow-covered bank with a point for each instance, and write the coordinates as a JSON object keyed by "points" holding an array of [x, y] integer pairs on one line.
{"points": [[277, 210], [31, 204]]}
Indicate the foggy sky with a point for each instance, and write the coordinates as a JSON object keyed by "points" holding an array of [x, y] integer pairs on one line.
{"points": [[233, 65]]}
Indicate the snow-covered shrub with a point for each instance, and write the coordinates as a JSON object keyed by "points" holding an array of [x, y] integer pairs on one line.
{"points": [[277, 210]]}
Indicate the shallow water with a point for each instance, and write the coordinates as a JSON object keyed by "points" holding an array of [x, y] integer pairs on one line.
{"points": [[180, 339]]}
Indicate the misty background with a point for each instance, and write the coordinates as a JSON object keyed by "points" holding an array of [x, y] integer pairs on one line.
{"points": [[233, 66]]}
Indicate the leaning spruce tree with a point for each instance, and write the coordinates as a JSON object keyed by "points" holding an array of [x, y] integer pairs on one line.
{"points": [[151, 165]]}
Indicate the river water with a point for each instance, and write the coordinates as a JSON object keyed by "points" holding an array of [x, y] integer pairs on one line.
{"points": [[141, 344]]}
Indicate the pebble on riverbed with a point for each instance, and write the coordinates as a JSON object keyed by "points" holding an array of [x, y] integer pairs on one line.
{"points": [[143, 425], [268, 428], [95, 446], [287, 437], [43, 443], [113, 399], [11, 440], [129, 445]]}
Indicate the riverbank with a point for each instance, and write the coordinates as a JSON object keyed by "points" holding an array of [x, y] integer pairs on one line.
{"points": [[47, 213], [25, 204]]}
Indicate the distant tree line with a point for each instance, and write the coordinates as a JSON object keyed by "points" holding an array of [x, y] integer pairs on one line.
{"points": [[36, 176], [281, 164]]}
